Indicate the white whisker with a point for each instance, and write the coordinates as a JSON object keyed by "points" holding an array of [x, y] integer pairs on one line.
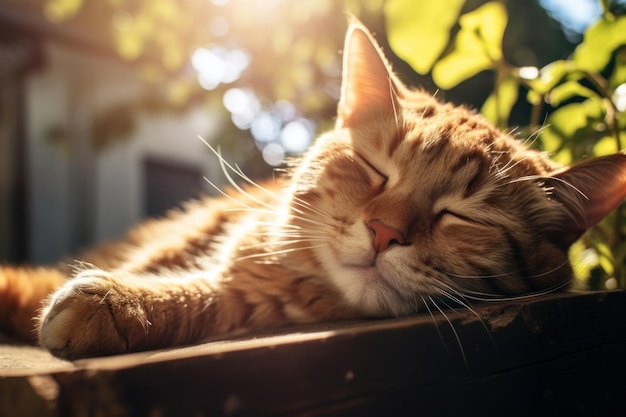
{"points": [[279, 225], [534, 136], [486, 297], [429, 105], [512, 163], [460, 299], [226, 167], [505, 274], [230, 197], [261, 211], [545, 178], [306, 205], [430, 312], [393, 95], [282, 243], [456, 335], [279, 252]]}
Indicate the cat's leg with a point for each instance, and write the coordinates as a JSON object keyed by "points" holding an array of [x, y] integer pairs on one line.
{"points": [[21, 293], [100, 313]]}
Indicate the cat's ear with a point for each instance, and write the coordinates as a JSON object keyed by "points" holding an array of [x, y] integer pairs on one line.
{"points": [[368, 86], [588, 191]]}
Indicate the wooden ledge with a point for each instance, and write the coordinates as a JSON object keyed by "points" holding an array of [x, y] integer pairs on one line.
{"points": [[562, 354]]}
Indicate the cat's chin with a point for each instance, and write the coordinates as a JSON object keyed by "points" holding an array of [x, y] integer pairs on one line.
{"points": [[369, 290], [370, 282]]}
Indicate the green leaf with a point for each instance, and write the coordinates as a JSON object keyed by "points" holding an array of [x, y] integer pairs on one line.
{"points": [[605, 257], [60, 10], [489, 22], [550, 76], [583, 260], [458, 67], [621, 116], [477, 46], [418, 32], [568, 90], [568, 119], [618, 77], [533, 97], [564, 156], [575, 127], [562, 125], [551, 140], [599, 43], [498, 105], [605, 146]]}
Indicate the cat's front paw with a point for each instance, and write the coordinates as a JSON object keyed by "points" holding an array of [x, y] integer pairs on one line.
{"points": [[93, 314]]}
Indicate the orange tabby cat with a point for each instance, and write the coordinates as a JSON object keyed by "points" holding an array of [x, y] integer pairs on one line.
{"points": [[406, 202]]}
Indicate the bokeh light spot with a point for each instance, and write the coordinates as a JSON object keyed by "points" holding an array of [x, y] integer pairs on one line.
{"points": [[273, 154], [265, 127], [296, 136]]}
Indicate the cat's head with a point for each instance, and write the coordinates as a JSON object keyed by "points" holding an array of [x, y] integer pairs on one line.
{"points": [[408, 198]]}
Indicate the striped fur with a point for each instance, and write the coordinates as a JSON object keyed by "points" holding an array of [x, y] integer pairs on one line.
{"points": [[406, 205]]}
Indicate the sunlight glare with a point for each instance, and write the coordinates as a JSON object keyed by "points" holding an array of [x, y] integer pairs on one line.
{"points": [[243, 105], [210, 67], [296, 136], [285, 110], [218, 65], [273, 154], [265, 127], [528, 73], [619, 97]]}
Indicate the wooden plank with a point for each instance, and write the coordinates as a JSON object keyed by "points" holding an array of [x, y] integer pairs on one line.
{"points": [[562, 354]]}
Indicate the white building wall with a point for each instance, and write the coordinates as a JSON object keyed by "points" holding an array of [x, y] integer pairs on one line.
{"points": [[171, 138], [48, 171], [73, 86]]}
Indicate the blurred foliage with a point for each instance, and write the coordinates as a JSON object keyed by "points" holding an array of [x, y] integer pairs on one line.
{"points": [[294, 45], [291, 51], [582, 97], [294, 48]]}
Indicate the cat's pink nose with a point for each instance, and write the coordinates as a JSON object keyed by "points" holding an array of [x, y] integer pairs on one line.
{"points": [[385, 236]]}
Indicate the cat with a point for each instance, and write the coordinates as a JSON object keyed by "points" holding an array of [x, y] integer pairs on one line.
{"points": [[408, 202]]}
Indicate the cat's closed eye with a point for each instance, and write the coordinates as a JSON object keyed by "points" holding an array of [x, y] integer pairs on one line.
{"points": [[375, 175], [447, 217]]}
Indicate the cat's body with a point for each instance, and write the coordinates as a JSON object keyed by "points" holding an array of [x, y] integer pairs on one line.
{"points": [[406, 202]]}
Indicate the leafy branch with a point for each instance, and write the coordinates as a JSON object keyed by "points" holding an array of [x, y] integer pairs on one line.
{"points": [[585, 96]]}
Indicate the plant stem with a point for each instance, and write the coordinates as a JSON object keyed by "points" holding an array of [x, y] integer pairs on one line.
{"points": [[619, 257], [611, 115], [535, 112], [602, 86], [502, 71]]}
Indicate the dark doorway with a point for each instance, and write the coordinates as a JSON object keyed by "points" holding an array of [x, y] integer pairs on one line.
{"points": [[168, 184], [18, 55]]}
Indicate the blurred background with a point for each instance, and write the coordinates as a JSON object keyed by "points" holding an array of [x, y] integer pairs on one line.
{"points": [[102, 101]]}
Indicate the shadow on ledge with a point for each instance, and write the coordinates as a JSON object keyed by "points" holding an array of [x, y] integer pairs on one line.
{"points": [[563, 354]]}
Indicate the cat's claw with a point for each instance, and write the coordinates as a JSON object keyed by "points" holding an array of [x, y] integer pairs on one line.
{"points": [[79, 320]]}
